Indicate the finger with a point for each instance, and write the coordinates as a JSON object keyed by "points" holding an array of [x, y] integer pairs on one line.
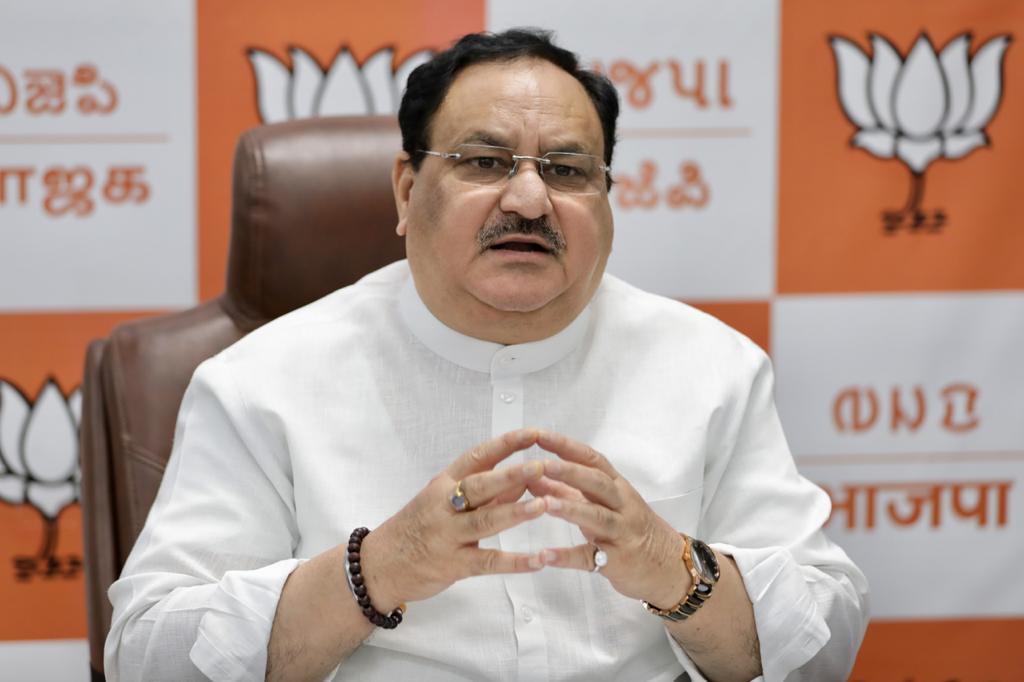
{"points": [[575, 451], [487, 521], [580, 557], [482, 488], [490, 561], [512, 495], [596, 485], [546, 486], [487, 454], [594, 520]]}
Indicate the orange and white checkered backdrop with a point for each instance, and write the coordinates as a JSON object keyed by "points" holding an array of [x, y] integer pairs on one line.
{"points": [[838, 180]]}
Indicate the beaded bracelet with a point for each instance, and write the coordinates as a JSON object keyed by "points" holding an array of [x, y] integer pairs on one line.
{"points": [[354, 572]]}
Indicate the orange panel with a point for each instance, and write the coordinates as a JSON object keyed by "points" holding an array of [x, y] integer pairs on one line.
{"points": [[42, 589], [227, 89], [34, 347], [41, 599], [832, 196], [942, 651], [753, 318]]}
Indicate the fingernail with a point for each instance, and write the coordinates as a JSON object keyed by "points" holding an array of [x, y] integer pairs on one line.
{"points": [[535, 505], [547, 557], [552, 465], [533, 470], [554, 504], [535, 561]]}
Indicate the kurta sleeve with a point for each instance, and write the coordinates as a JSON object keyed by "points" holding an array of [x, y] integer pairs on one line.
{"points": [[199, 591], [809, 599]]}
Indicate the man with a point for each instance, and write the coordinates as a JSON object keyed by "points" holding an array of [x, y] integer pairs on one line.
{"points": [[605, 432]]}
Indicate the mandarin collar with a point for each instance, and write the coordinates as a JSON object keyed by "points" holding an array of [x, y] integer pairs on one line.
{"points": [[486, 356]]}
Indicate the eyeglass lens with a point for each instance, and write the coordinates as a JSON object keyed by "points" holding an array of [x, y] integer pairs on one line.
{"points": [[562, 171]]}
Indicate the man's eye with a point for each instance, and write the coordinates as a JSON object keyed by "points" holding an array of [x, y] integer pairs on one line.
{"points": [[485, 162], [564, 171]]}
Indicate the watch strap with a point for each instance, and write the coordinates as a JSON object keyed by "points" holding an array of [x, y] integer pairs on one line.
{"points": [[699, 592]]}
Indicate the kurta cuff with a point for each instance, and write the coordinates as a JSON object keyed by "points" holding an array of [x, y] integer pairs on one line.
{"points": [[231, 644], [790, 628]]}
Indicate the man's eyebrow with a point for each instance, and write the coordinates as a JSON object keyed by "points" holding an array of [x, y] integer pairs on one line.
{"points": [[490, 138], [570, 147], [484, 137]]}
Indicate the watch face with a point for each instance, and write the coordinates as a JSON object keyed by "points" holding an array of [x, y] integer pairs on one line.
{"points": [[704, 561]]}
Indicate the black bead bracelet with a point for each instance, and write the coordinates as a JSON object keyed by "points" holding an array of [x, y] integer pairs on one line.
{"points": [[354, 571]]}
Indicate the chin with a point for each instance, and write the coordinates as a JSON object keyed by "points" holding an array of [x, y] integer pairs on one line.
{"points": [[516, 302]]}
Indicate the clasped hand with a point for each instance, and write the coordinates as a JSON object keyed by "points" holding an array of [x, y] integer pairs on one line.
{"points": [[428, 545]]}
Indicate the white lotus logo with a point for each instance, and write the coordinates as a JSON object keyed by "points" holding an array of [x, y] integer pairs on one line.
{"points": [[921, 108], [39, 454], [306, 90]]}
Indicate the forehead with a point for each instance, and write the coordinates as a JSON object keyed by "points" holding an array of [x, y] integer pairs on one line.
{"points": [[530, 105]]}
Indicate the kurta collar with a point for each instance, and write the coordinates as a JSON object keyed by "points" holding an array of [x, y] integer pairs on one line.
{"points": [[486, 356]]}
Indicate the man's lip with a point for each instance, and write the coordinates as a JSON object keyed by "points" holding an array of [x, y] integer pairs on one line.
{"points": [[522, 239], [512, 255]]}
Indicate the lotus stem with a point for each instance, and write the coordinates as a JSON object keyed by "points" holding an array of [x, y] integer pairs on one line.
{"points": [[916, 193], [49, 538]]}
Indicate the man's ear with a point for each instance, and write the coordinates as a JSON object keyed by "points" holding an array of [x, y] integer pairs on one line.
{"points": [[402, 179]]}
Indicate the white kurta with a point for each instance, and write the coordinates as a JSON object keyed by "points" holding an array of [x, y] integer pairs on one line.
{"points": [[335, 415]]}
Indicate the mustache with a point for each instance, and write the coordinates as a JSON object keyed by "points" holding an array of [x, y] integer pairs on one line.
{"points": [[511, 223]]}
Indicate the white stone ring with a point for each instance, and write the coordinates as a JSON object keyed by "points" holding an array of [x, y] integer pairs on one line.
{"points": [[600, 559], [460, 502]]}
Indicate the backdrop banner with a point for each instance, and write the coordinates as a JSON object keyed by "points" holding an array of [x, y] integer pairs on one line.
{"points": [[832, 179]]}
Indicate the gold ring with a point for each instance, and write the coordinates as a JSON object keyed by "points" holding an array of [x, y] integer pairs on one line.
{"points": [[459, 500]]}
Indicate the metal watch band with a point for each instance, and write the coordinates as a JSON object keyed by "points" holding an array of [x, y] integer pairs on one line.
{"points": [[699, 592]]}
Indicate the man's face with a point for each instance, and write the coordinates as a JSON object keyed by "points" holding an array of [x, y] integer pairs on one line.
{"points": [[532, 107]]}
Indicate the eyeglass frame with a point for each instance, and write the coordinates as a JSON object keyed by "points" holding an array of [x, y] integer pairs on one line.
{"points": [[541, 161]]}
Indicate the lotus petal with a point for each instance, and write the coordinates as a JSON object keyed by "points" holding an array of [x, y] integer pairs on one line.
{"points": [[344, 92], [75, 405], [307, 77], [987, 81], [14, 411], [959, 146], [920, 96], [78, 479], [917, 154], [272, 82], [885, 66], [402, 73], [880, 143], [12, 489], [958, 81], [50, 498], [51, 441], [379, 79]]}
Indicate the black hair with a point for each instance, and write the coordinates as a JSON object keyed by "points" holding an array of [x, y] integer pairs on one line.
{"points": [[429, 83]]}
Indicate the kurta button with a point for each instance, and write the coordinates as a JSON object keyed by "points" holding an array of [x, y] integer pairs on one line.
{"points": [[508, 360], [507, 397], [527, 614]]}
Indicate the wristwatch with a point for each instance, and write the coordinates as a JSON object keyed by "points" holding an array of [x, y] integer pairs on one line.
{"points": [[702, 565]]}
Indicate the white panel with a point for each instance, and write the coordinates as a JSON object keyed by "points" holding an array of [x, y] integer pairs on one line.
{"points": [[117, 255], [930, 349], [724, 249], [905, 404], [944, 564], [45, 661]]}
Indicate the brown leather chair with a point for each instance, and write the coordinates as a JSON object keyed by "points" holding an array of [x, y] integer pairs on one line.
{"points": [[312, 211]]}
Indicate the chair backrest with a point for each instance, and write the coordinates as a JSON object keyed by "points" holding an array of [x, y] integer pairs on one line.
{"points": [[312, 211]]}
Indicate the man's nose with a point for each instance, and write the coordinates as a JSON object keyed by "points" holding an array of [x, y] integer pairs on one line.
{"points": [[526, 193]]}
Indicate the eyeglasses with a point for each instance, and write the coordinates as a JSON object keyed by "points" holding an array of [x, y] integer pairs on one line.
{"points": [[483, 164]]}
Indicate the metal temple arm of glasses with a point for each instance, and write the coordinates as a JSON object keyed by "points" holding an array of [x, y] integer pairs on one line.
{"points": [[443, 155]]}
